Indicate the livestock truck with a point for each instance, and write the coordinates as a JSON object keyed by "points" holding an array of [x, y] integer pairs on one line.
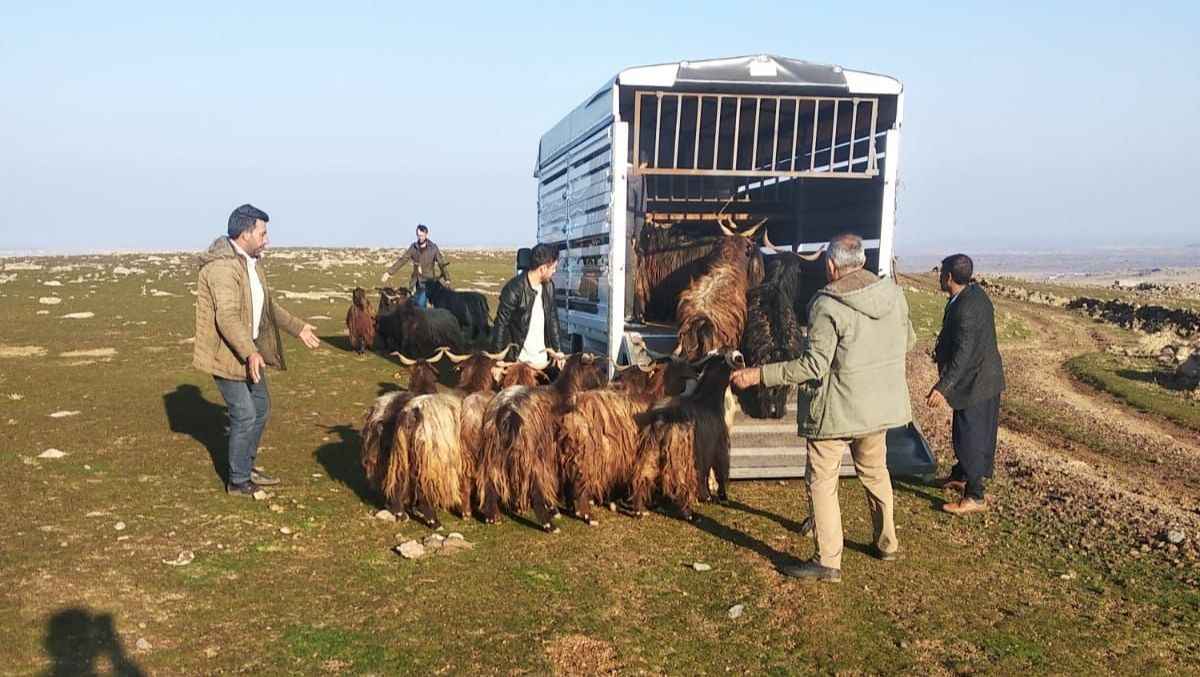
{"points": [[654, 159]]}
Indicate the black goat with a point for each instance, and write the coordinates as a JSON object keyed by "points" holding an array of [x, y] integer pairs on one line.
{"points": [[469, 307], [772, 332]]}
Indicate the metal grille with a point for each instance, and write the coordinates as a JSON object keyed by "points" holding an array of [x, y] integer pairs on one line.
{"points": [[754, 135]]}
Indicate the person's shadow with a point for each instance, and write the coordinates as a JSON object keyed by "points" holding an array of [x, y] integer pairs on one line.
{"points": [[76, 639], [189, 413], [341, 460]]}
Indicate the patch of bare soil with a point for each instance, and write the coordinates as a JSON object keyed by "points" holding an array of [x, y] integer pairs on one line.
{"points": [[21, 351]]}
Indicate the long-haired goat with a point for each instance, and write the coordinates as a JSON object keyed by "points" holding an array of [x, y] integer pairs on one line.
{"points": [[360, 322], [772, 332], [684, 439], [712, 311], [598, 437], [668, 258], [519, 465]]}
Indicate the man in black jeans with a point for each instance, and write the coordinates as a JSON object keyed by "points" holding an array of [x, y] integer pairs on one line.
{"points": [[971, 378], [527, 315]]}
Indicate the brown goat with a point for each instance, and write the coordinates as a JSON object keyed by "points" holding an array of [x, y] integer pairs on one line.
{"points": [[519, 464], [598, 437], [668, 259], [360, 322], [386, 470], [684, 439], [712, 311]]}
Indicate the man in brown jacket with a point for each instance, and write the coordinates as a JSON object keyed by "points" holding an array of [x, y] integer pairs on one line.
{"points": [[237, 337]]}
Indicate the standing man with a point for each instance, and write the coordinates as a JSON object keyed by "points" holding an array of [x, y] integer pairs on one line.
{"points": [[970, 380], [237, 338], [427, 262], [527, 314], [852, 389]]}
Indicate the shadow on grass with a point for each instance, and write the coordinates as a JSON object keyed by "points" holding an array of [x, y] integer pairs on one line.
{"points": [[1167, 381], [921, 490], [77, 640], [342, 462], [339, 341], [188, 412], [786, 523]]}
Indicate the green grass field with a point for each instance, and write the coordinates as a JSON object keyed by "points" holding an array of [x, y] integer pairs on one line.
{"points": [[988, 595]]}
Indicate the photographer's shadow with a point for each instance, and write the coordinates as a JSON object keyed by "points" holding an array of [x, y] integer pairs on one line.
{"points": [[76, 641]]}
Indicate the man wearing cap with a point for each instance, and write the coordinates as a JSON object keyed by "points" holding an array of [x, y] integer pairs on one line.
{"points": [[427, 261], [237, 338]]}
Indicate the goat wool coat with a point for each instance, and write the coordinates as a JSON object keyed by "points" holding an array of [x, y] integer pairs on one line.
{"points": [[223, 316], [851, 374]]}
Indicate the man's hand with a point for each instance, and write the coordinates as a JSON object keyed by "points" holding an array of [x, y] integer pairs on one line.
{"points": [[309, 337], [255, 364], [936, 399], [746, 378], [383, 278]]}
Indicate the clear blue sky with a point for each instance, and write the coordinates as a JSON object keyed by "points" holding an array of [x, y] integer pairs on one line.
{"points": [[141, 125]]}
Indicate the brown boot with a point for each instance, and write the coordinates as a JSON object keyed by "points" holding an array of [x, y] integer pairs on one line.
{"points": [[965, 506]]}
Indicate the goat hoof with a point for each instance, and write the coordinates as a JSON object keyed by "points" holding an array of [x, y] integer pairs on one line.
{"points": [[593, 523], [550, 528], [612, 506]]}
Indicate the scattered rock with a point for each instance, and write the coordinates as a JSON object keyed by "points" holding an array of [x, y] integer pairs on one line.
{"points": [[16, 397], [261, 495], [52, 453], [453, 545], [1175, 536], [119, 526], [185, 558], [275, 507], [1069, 576], [64, 414], [385, 515], [95, 352], [736, 611], [454, 535], [211, 652], [285, 531], [49, 300], [701, 566], [410, 550], [143, 645], [79, 316], [22, 351], [52, 283]]}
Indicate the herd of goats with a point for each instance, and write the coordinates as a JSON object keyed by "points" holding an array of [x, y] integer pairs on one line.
{"points": [[509, 437]]}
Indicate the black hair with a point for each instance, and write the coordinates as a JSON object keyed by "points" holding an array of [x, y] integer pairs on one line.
{"points": [[423, 228], [541, 255], [243, 218], [959, 267]]}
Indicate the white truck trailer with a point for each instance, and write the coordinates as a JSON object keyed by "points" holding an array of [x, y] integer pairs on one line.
{"points": [[812, 148]]}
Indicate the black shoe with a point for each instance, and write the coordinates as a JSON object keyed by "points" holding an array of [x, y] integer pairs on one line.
{"points": [[263, 479], [812, 570], [243, 489]]}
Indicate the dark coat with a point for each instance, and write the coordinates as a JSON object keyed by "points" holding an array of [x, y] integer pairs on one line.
{"points": [[968, 360], [516, 305]]}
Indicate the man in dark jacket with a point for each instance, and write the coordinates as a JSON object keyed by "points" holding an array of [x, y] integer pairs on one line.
{"points": [[527, 315], [428, 263], [971, 378]]}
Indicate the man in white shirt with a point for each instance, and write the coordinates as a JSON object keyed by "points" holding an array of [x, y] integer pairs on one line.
{"points": [[527, 314], [237, 338]]}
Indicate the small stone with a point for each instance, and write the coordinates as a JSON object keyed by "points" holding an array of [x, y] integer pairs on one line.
{"points": [[64, 414], [385, 515], [119, 526], [52, 453], [1069, 576], [317, 475], [454, 534], [1176, 536], [903, 645], [143, 645], [701, 566], [261, 495], [275, 507], [410, 550], [185, 558], [736, 611], [453, 545], [285, 531], [211, 652], [433, 541]]}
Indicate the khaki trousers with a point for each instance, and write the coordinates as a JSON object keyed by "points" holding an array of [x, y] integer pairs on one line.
{"points": [[870, 461]]}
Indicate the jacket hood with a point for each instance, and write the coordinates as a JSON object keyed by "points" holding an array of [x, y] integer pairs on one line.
{"points": [[865, 292], [221, 248]]}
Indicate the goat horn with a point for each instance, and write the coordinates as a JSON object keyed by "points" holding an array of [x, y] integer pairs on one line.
{"points": [[647, 369], [753, 229], [767, 242], [502, 353], [621, 370], [406, 361], [725, 229], [453, 356], [556, 355], [813, 256], [441, 352]]}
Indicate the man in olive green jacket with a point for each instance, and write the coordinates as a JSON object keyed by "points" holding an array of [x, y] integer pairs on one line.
{"points": [[852, 389], [237, 337]]}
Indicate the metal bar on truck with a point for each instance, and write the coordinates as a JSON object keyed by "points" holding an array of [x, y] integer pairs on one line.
{"points": [[696, 141], [873, 163], [657, 129], [717, 133], [775, 136], [833, 136], [678, 119], [853, 127], [795, 131], [637, 132], [737, 130], [812, 154], [754, 139]]}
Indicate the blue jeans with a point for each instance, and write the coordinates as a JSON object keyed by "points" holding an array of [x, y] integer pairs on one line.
{"points": [[419, 297], [249, 405]]}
